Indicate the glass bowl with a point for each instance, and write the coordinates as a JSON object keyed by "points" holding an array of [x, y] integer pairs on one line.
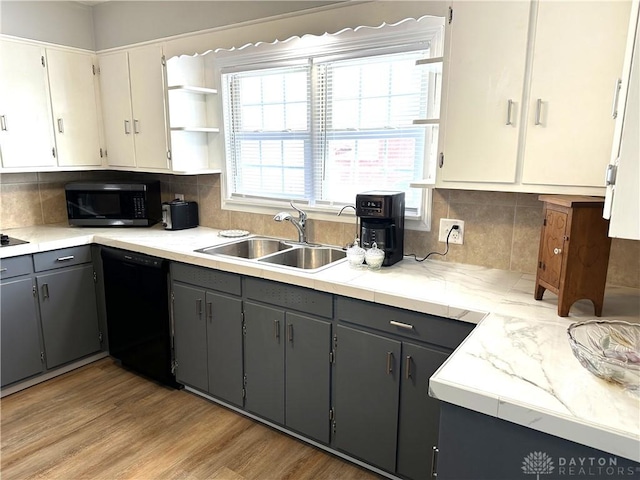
{"points": [[374, 257], [609, 349]]}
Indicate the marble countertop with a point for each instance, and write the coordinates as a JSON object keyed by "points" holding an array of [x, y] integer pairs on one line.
{"points": [[516, 364]]}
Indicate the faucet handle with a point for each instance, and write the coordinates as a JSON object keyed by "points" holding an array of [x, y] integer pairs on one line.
{"points": [[302, 215]]}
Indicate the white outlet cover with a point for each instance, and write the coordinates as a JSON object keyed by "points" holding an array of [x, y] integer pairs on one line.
{"points": [[457, 236]]}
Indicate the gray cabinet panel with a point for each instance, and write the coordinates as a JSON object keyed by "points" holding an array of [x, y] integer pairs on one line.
{"points": [[69, 314], [190, 336], [290, 297], [224, 340], [419, 413], [308, 373], [20, 344], [15, 266], [64, 257], [366, 399], [206, 278], [264, 361]]}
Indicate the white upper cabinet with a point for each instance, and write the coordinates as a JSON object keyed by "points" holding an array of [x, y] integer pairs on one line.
{"points": [[487, 52], [75, 108], [134, 108], [26, 133], [622, 203], [577, 60], [49, 116], [528, 94]]}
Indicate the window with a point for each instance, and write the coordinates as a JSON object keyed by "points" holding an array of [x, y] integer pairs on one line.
{"points": [[319, 125]]}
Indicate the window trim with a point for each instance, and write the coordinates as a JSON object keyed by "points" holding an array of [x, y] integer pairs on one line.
{"points": [[361, 41]]}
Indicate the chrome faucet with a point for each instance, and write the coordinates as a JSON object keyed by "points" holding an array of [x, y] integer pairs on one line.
{"points": [[300, 223]]}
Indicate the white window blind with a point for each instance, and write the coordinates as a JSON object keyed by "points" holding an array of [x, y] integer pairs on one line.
{"points": [[319, 125]]}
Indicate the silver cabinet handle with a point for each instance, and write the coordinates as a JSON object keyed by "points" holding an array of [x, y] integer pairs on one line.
{"points": [[509, 110], [136, 126], [290, 333], [65, 259], [616, 97], [127, 128], [210, 311], [389, 363], [557, 251], [276, 329], [538, 111], [3, 123], [407, 367], [434, 459], [45, 290], [199, 307], [406, 326], [2, 270], [60, 125]]}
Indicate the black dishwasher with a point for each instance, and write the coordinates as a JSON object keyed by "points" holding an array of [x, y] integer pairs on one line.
{"points": [[138, 319]]}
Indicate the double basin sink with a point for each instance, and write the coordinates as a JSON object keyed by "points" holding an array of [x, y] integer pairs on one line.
{"points": [[308, 257]]}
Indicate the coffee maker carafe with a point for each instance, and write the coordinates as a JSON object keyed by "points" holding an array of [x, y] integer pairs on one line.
{"points": [[381, 216]]}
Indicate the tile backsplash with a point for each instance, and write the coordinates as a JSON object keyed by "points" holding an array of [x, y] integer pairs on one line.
{"points": [[502, 229]]}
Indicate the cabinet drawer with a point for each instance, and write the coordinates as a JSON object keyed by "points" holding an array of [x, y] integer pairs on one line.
{"points": [[206, 278], [15, 266], [290, 297], [419, 326], [64, 257]]}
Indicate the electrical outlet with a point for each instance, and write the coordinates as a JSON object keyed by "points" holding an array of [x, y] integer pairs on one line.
{"points": [[457, 236], [179, 196]]}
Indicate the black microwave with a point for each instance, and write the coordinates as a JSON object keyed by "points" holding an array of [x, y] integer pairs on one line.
{"points": [[113, 204]]}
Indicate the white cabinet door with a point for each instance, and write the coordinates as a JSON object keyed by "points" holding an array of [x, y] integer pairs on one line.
{"points": [[487, 52], [116, 109], [625, 210], [149, 107], [578, 55], [26, 133], [75, 113]]}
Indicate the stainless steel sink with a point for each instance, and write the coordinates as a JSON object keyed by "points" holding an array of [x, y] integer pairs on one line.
{"points": [[279, 253], [307, 258], [247, 248]]}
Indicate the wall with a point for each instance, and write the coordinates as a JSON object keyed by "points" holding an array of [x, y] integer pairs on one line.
{"points": [[502, 230], [63, 23]]}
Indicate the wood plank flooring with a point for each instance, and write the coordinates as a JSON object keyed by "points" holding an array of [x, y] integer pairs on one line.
{"points": [[103, 422]]}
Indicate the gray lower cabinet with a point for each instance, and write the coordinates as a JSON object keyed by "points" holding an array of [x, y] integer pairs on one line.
{"points": [[384, 359], [19, 331], [287, 356], [69, 314], [474, 446], [367, 396], [208, 331]]}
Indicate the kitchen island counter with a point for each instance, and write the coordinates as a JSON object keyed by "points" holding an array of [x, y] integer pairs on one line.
{"points": [[516, 365]]}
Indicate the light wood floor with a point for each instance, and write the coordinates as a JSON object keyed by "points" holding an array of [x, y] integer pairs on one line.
{"points": [[103, 422]]}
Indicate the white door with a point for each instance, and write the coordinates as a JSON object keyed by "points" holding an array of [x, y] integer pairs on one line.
{"points": [[578, 55], [488, 48], [26, 133], [116, 109], [75, 113], [149, 107]]}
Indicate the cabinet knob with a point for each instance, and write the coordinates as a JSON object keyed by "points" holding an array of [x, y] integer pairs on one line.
{"points": [[557, 251]]}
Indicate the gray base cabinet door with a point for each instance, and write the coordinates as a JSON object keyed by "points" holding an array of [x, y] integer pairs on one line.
{"points": [[20, 339], [69, 314], [224, 340], [190, 336], [264, 361], [367, 396], [419, 413], [308, 376]]}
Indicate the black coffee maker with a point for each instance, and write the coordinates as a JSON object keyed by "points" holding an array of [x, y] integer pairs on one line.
{"points": [[381, 216]]}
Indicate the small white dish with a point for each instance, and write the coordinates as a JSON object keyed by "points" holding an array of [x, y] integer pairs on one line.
{"points": [[233, 233]]}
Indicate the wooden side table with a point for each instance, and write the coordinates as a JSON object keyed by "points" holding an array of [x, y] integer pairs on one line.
{"points": [[574, 251]]}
